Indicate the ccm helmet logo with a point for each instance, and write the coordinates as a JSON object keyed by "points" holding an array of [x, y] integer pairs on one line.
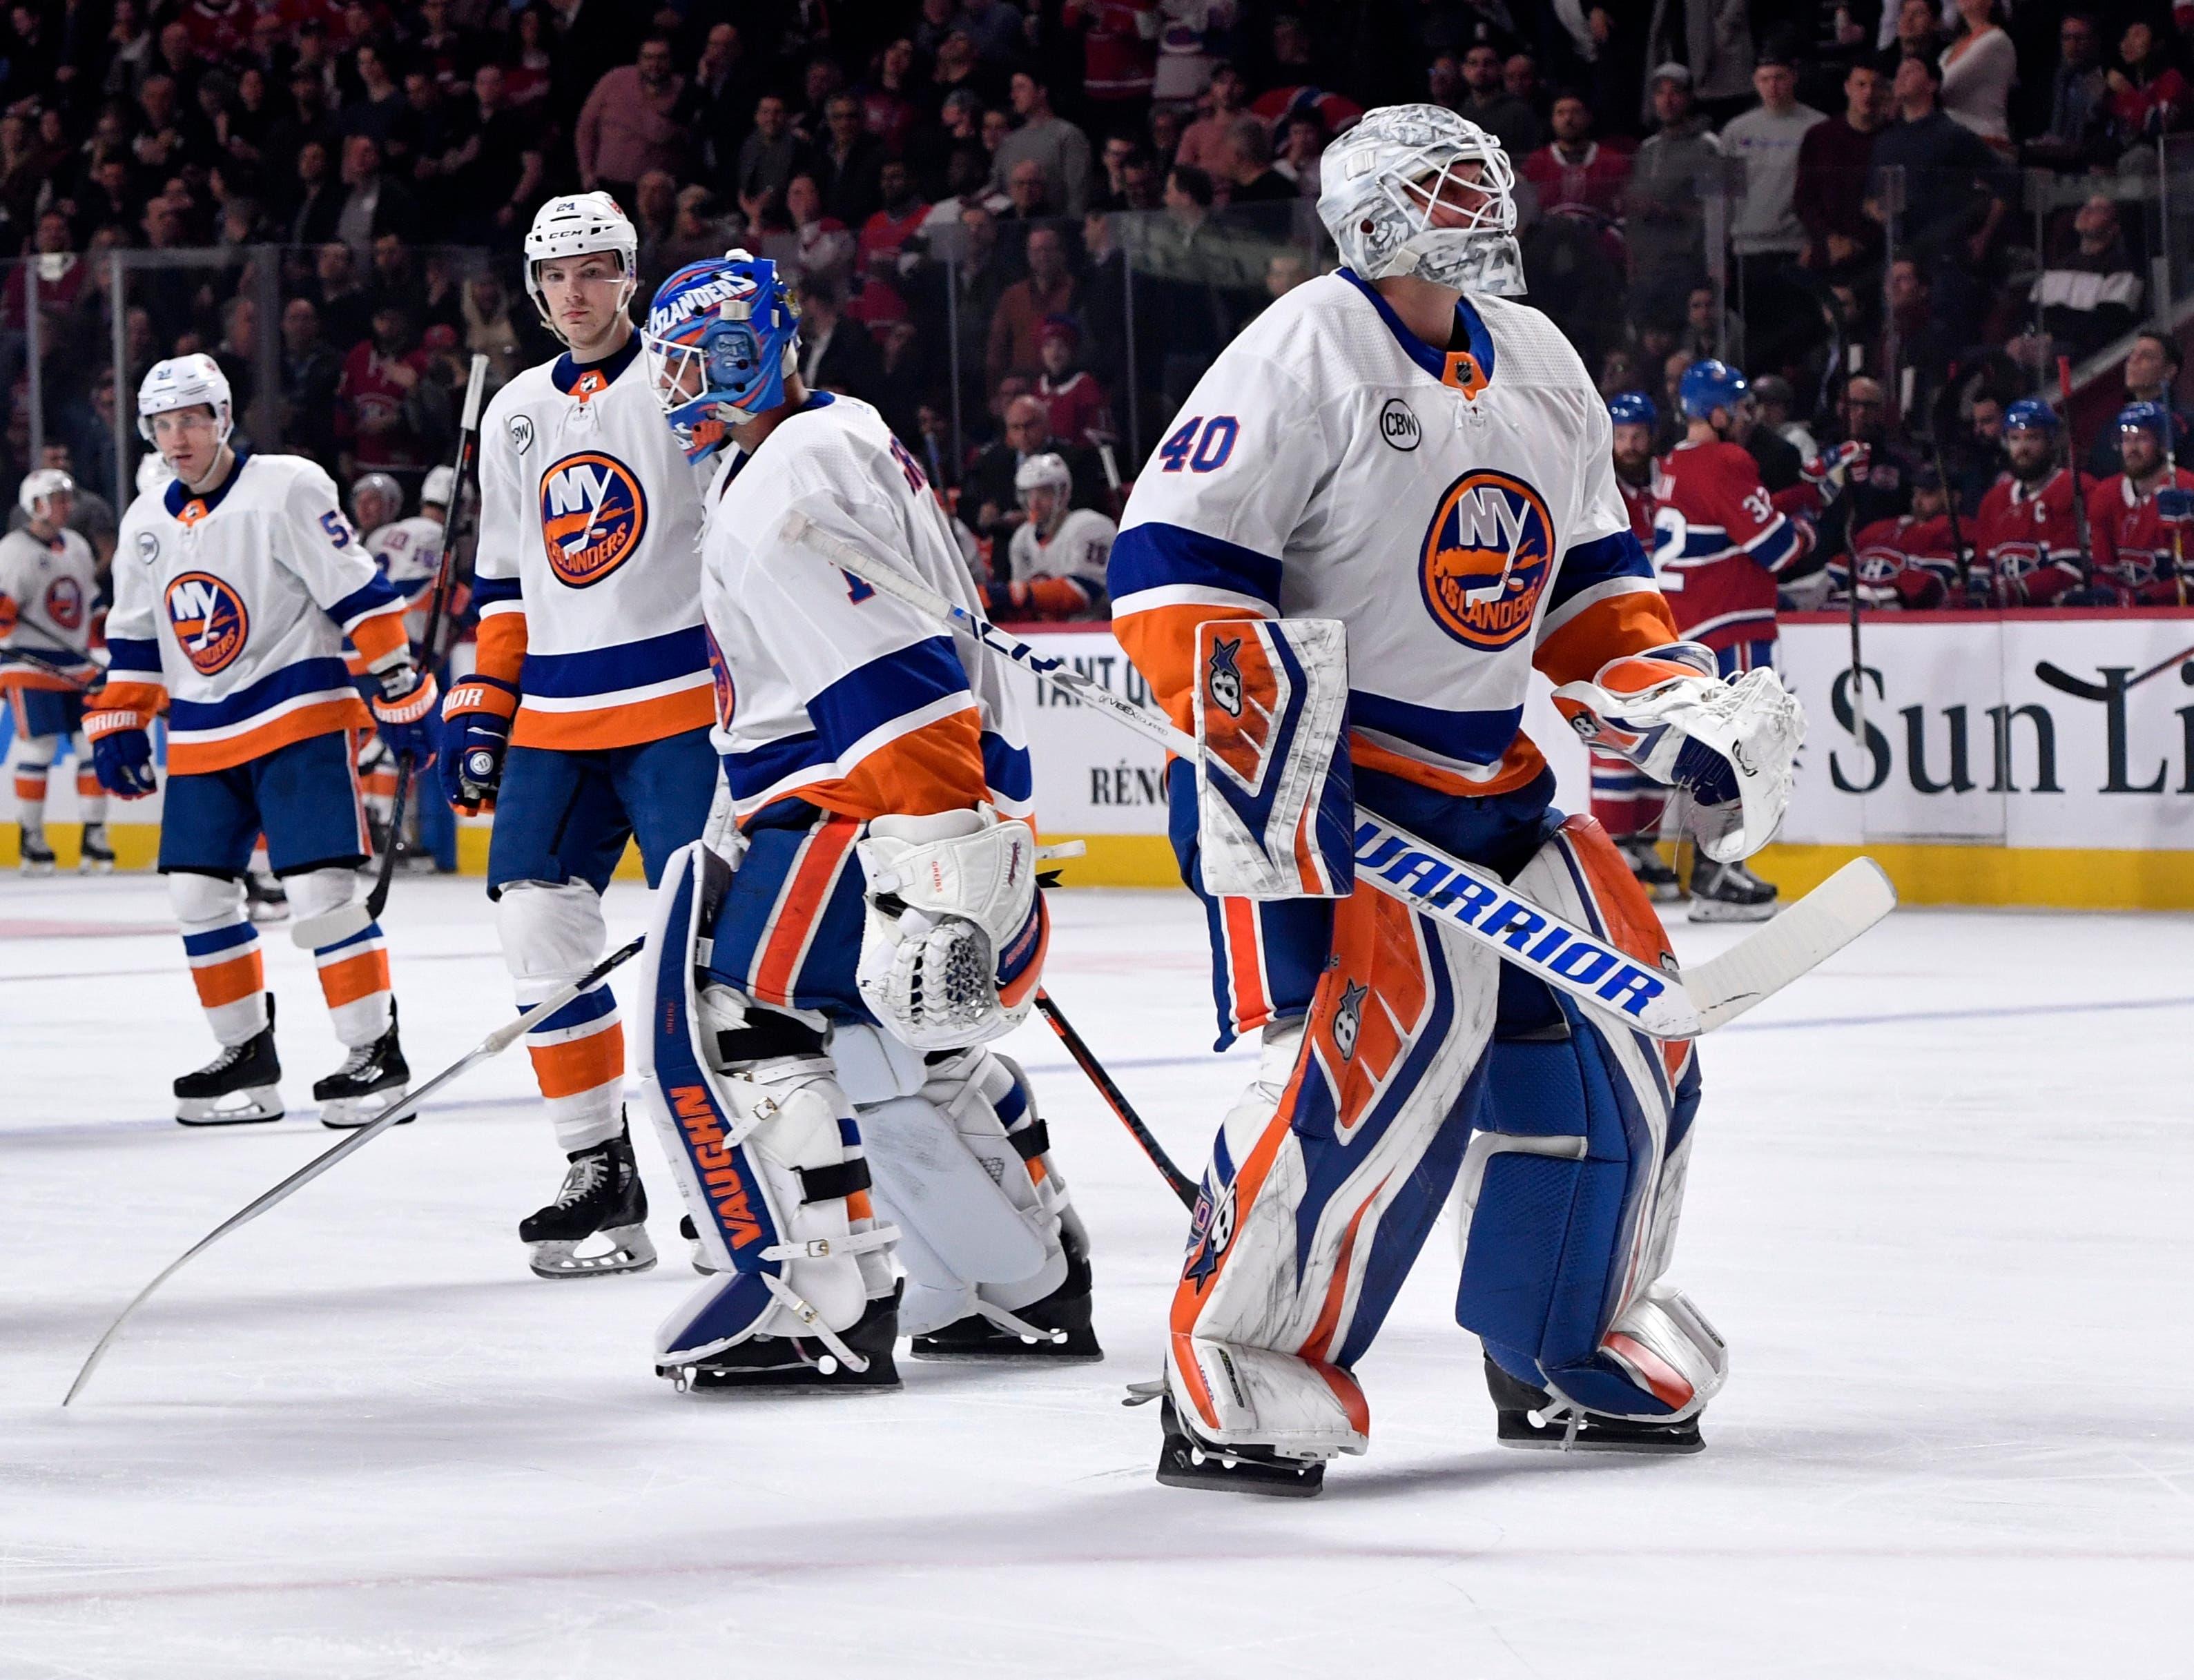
{"points": [[1397, 425]]}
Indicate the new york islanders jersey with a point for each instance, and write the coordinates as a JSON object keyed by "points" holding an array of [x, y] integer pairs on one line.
{"points": [[1064, 574], [1720, 543], [409, 553], [1906, 562], [2026, 541], [231, 609], [2133, 542], [48, 594], [588, 576], [1455, 508], [827, 691]]}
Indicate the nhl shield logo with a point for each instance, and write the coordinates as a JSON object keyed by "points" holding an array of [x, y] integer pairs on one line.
{"points": [[592, 516], [1348, 1019], [209, 619], [1222, 677], [1486, 556]]}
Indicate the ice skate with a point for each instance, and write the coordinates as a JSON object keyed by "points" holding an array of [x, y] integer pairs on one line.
{"points": [[1730, 892], [1529, 1417], [264, 899], [602, 1196], [371, 1078], [240, 1086], [1653, 873], [1055, 1328], [95, 857], [38, 856], [700, 1255], [778, 1364], [1185, 1459]]}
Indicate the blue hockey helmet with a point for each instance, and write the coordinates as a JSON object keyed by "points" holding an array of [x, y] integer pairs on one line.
{"points": [[721, 337], [2030, 414], [1710, 385], [1632, 407], [2147, 417]]}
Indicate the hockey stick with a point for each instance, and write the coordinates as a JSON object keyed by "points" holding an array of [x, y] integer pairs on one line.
{"points": [[346, 921], [493, 1044], [50, 667], [1086, 1059], [1473, 902], [2072, 461]]}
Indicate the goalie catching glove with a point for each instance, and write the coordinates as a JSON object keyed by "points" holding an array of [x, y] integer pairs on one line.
{"points": [[1733, 747], [953, 942]]}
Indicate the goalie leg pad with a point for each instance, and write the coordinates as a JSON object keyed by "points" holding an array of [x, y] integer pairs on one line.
{"points": [[1573, 1182]]}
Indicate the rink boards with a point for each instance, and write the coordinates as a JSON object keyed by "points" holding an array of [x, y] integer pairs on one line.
{"points": [[2000, 758]]}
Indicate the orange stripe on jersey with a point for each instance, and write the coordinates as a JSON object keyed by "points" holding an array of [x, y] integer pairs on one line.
{"points": [[1518, 764], [377, 637], [1245, 963], [354, 978], [823, 854], [937, 767], [1161, 643], [1607, 630], [231, 982], [45, 682], [1058, 596], [580, 1064], [1631, 675], [196, 757], [146, 701], [621, 724], [499, 646]]}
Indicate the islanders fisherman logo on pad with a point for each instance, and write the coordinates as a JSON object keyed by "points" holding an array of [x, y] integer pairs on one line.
{"points": [[208, 617], [592, 515], [1485, 559]]}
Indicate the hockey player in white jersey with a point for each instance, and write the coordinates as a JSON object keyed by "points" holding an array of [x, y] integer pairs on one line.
{"points": [[235, 585], [584, 723], [48, 594], [407, 549], [1397, 447], [821, 991], [1056, 561]]}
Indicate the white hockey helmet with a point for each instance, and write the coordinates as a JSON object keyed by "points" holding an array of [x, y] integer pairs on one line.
{"points": [[152, 472], [376, 484], [184, 382], [38, 485], [1044, 472], [578, 225], [1381, 181], [437, 489]]}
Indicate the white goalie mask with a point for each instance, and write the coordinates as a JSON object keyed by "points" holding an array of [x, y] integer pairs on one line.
{"points": [[1383, 180]]}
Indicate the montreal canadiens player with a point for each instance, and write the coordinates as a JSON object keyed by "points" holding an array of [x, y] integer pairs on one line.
{"points": [[820, 1007], [584, 723], [2026, 536], [234, 587], [49, 596], [1497, 543], [1625, 801], [1056, 561], [2139, 518]]}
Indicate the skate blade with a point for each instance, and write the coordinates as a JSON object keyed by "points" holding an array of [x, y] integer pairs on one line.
{"points": [[348, 1114], [1530, 1437], [1019, 1351], [1182, 1464], [629, 1250], [96, 866], [38, 869], [261, 1104], [1713, 909]]}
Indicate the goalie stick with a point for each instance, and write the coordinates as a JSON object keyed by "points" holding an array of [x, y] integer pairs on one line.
{"points": [[1086, 1059], [493, 1044], [1473, 901]]}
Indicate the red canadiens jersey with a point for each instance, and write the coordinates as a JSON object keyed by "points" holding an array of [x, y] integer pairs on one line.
{"points": [[1595, 184], [1638, 501], [1720, 544], [1906, 562], [2132, 541], [2026, 542]]}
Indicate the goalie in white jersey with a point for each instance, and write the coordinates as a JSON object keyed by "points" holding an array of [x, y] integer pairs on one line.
{"points": [[814, 1048], [1397, 448], [48, 595]]}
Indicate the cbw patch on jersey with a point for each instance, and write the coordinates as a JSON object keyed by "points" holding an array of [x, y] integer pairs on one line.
{"points": [[592, 516], [209, 619], [1486, 556]]}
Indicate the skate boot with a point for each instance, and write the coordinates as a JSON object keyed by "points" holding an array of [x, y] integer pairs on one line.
{"points": [[1185, 1459], [601, 1196], [776, 1364], [264, 899], [1728, 892], [95, 857], [369, 1081], [1653, 874], [249, 1072], [1054, 1327], [38, 856], [1528, 1416]]}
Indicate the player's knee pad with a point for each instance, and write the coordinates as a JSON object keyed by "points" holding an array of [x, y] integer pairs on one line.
{"points": [[765, 1150], [1572, 1182], [34, 754], [317, 892], [205, 902], [551, 933]]}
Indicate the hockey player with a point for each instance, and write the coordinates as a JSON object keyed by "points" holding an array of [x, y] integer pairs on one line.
{"points": [[2139, 518], [2026, 536], [584, 723], [1498, 542], [1625, 801], [815, 1050], [234, 587], [1908, 563], [49, 593], [1722, 548], [1056, 562], [408, 551]]}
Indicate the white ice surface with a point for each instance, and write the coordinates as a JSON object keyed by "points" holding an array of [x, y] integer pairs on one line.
{"points": [[1939, 1208]]}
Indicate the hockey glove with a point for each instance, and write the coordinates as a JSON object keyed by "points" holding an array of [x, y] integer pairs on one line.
{"points": [[2175, 506], [1836, 465], [2089, 595], [475, 731], [121, 756], [404, 712]]}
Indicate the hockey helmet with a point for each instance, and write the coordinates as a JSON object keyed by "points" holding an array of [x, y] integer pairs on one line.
{"points": [[1710, 385], [578, 224], [38, 486], [1632, 407], [2151, 417], [720, 339], [184, 382], [1384, 179], [439, 488], [2030, 414], [1044, 472], [380, 487]]}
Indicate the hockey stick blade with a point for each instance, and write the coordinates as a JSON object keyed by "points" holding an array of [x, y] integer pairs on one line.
{"points": [[1800, 939], [493, 1044]]}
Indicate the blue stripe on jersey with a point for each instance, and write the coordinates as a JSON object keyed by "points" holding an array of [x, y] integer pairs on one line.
{"points": [[1596, 562], [413, 587], [489, 591], [1433, 358], [306, 676], [177, 496], [748, 773], [1703, 542], [603, 670], [1468, 737], [127, 655], [218, 939], [1777, 545], [889, 686], [1156, 556], [1005, 768], [373, 596]]}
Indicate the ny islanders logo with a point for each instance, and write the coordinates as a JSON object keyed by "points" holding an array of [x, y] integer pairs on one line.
{"points": [[1486, 556], [592, 515], [208, 617], [65, 603]]}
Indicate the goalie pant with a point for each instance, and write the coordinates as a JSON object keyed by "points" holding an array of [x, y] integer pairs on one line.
{"points": [[1399, 1058], [820, 1129]]}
